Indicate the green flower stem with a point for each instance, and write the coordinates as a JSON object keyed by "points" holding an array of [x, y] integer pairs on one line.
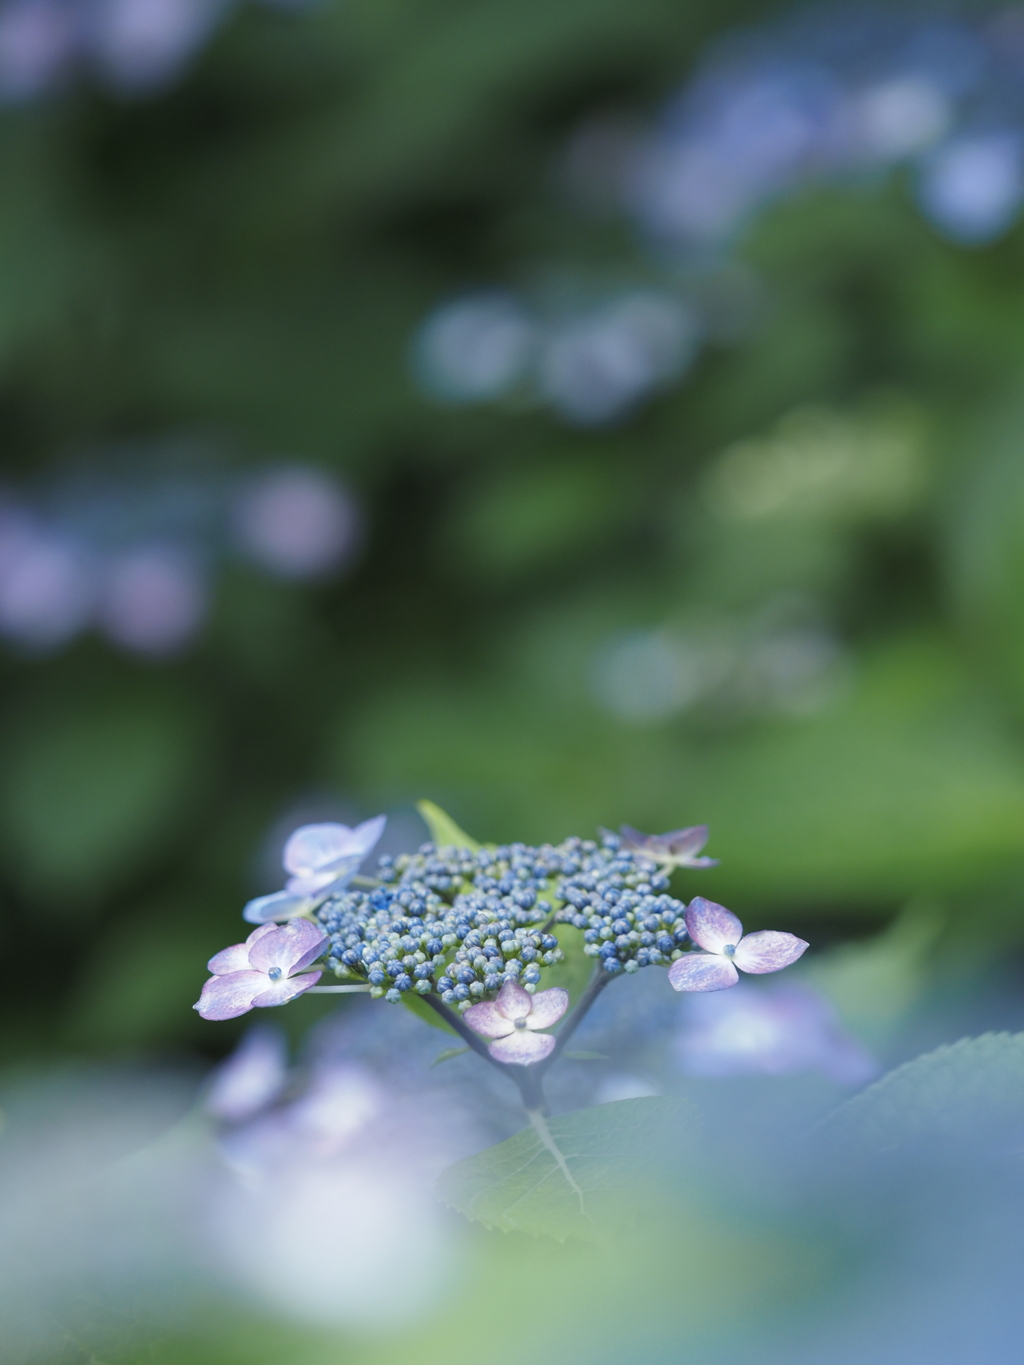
{"points": [[525, 1078], [597, 983], [334, 990], [528, 1079]]}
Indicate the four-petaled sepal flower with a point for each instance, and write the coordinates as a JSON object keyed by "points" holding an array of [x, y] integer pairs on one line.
{"points": [[267, 969], [322, 859], [721, 935], [511, 1019], [676, 849]]}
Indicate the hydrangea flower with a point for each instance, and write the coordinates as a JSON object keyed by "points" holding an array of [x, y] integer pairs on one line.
{"points": [[771, 1030], [718, 931], [322, 859], [512, 1018], [676, 849], [267, 969], [251, 1078]]}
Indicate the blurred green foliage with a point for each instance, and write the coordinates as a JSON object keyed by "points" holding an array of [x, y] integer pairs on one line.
{"points": [[785, 598]]}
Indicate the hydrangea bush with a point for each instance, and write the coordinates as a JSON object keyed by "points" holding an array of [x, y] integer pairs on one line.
{"points": [[477, 933]]}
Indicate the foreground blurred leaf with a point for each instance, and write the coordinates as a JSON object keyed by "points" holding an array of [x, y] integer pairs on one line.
{"points": [[971, 1091], [608, 1156], [86, 794]]}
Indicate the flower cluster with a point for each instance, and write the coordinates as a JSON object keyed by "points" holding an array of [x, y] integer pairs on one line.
{"points": [[818, 98], [128, 545], [456, 921], [469, 926]]}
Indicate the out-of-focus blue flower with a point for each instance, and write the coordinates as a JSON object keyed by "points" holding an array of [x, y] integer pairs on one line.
{"points": [[474, 348], [128, 546], [267, 969], [591, 363], [47, 582], [133, 46], [732, 140], [152, 599], [322, 860], [325, 1208], [680, 848], [726, 947], [251, 1078], [898, 117], [770, 1030], [512, 1018], [972, 188], [598, 365], [295, 521]]}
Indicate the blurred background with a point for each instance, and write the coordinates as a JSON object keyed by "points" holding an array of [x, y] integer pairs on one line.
{"points": [[573, 413]]}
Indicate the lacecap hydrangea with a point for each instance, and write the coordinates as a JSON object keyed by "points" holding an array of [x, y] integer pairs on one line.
{"points": [[462, 922]]}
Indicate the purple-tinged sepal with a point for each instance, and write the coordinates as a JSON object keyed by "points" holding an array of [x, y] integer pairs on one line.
{"points": [[678, 848], [268, 969], [718, 931], [512, 1018]]}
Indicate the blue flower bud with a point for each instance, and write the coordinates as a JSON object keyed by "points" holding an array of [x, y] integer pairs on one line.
{"points": [[376, 976], [423, 987], [393, 995]]}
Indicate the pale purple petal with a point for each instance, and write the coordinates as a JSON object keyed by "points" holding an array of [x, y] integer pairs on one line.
{"points": [[522, 1047], [233, 959], [711, 926], [290, 946], [702, 972], [280, 992], [333, 876], [366, 835], [259, 933], [634, 838], [313, 845], [679, 846], [681, 843], [314, 848], [513, 1001], [487, 1019], [226, 997], [768, 951], [548, 1007], [252, 1076], [279, 906]]}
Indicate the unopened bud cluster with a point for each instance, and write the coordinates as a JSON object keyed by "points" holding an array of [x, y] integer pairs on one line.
{"points": [[618, 899], [463, 922]]}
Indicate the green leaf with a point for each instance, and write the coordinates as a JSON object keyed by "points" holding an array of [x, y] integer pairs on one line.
{"points": [[448, 1054], [578, 1175], [443, 830], [972, 1089], [573, 973]]}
